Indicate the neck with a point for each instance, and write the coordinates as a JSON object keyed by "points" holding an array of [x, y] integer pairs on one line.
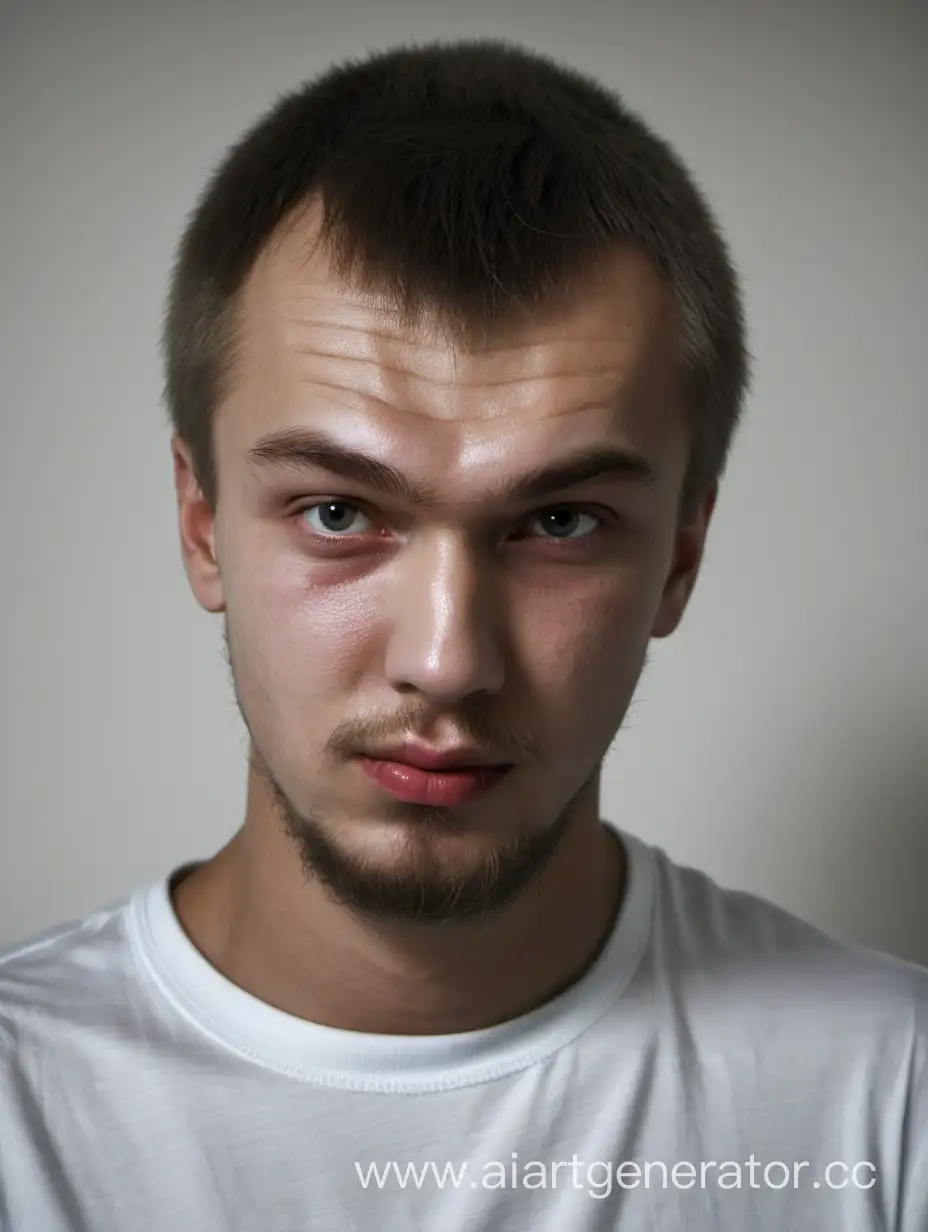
{"points": [[253, 915]]}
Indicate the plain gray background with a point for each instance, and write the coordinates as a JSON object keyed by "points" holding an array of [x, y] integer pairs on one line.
{"points": [[779, 739]]}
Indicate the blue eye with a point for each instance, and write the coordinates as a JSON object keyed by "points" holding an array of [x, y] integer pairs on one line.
{"points": [[333, 516], [563, 518]]}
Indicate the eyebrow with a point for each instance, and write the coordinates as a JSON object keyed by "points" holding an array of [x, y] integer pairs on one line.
{"points": [[303, 448]]}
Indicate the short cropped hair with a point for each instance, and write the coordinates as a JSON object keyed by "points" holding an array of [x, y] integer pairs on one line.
{"points": [[464, 182]]}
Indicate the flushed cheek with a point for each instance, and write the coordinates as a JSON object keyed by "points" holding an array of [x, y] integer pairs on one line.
{"points": [[297, 647]]}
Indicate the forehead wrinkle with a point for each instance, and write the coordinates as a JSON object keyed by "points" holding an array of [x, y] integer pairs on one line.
{"points": [[535, 389], [359, 344], [354, 399], [333, 320], [587, 370]]}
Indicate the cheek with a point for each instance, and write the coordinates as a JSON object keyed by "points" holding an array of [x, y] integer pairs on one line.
{"points": [[584, 648], [295, 641]]}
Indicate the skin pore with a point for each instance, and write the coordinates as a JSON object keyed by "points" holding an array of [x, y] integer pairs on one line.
{"points": [[447, 609]]}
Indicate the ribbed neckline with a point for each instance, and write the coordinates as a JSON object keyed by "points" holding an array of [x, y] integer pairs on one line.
{"points": [[353, 1060]]}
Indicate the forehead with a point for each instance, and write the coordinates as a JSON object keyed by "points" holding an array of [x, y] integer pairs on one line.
{"points": [[313, 351]]}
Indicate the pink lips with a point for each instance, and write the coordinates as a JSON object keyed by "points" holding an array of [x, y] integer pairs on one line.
{"points": [[442, 786]]}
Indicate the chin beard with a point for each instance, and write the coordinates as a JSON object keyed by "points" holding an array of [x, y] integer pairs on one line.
{"points": [[422, 888]]}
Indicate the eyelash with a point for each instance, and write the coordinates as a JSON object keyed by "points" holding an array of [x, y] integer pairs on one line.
{"points": [[600, 516]]}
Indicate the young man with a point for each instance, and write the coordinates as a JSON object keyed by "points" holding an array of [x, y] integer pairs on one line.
{"points": [[455, 356]]}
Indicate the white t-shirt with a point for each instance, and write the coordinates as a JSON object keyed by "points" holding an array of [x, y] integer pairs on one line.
{"points": [[722, 1066]]}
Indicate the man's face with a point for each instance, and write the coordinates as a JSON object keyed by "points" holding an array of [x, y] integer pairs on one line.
{"points": [[358, 618]]}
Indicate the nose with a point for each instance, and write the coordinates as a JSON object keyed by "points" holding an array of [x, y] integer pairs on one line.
{"points": [[444, 638]]}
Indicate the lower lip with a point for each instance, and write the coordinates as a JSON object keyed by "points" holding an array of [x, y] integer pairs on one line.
{"points": [[436, 787]]}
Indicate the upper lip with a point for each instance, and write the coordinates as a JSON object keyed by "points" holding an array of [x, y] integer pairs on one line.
{"points": [[425, 758]]}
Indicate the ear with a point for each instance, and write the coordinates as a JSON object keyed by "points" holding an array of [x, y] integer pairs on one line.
{"points": [[197, 524], [691, 541]]}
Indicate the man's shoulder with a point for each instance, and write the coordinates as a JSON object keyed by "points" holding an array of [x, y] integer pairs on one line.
{"points": [[721, 937], [59, 974]]}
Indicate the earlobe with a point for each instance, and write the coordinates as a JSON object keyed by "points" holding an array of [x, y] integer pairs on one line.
{"points": [[690, 547], [197, 526], [673, 603]]}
